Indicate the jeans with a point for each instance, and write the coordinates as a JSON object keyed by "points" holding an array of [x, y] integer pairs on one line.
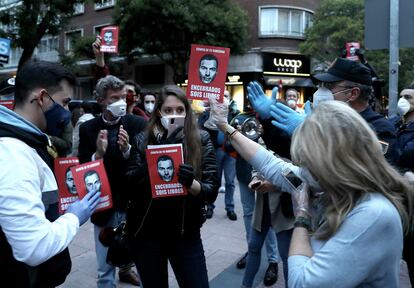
{"points": [[226, 164], [186, 257], [255, 242], [247, 198], [106, 272]]}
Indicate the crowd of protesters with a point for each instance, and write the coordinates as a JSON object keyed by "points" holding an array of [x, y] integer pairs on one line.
{"points": [[329, 188]]}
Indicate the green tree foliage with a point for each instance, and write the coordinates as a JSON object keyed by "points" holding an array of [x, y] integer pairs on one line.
{"points": [[28, 22], [168, 28], [339, 21]]}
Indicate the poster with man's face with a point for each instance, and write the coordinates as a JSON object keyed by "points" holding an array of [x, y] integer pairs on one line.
{"points": [[351, 48], [91, 177], [65, 181], [207, 72], [109, 39], [163, 165]]}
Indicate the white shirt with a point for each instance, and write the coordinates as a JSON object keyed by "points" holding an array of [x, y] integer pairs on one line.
{"points": [[24, 176]]}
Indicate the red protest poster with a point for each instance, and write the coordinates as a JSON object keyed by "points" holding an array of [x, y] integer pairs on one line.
{"points": [[351, 48], [110, 39], [163, 164], [91, 176], [207, 72], [7, 103], [66, 184]]}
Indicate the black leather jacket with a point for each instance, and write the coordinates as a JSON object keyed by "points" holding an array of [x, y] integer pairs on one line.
{"points": [[170, 217]]}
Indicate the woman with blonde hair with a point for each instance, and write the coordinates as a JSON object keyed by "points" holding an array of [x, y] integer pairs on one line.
{"points": [[351, 206]]}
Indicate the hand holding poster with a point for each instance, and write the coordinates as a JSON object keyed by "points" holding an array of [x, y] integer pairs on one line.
{"points": [[109, 36], [92, 176], [66, 184], [163, 164], [207, 72]]}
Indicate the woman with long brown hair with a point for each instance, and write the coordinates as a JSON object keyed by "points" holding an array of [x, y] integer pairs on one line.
{"points": [[161, 229]]}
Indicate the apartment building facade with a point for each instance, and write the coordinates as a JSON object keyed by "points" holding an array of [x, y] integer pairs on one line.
{"points": [[276, 28]]}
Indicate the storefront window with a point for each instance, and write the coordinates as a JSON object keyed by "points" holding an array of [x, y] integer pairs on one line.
{"points": [[276, 21]]}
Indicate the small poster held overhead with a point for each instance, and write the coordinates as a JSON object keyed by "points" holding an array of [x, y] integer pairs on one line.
{"points": [[91, 176], [109, 38], [207, 72], [65, 181], [163, 164], [351, 49]]}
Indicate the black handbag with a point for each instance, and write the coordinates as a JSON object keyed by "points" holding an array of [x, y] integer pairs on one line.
{"points": [[115, 238]]}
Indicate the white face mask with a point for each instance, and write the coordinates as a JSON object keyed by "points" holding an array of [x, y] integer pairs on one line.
{"points": [[149, 107], [166, 120], [118, 108], [322, 94], [403, 106], [291, 103]]}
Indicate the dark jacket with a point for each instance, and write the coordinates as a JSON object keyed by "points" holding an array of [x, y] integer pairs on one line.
{"points": [[405, 146], [385, 131], [114, 161], [170, 217]]}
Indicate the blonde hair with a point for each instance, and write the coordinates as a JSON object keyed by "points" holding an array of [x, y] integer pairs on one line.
{"points": [[343, 153]]}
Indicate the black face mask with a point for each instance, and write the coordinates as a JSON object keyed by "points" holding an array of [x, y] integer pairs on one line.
{"points": [[57, 118]]}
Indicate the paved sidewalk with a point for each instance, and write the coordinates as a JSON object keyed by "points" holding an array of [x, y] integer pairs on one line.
{"points": [[224, 243]]}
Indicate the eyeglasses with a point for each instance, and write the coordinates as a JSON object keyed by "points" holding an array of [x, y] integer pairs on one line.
{"points": [[50, 97], [333, 85]]}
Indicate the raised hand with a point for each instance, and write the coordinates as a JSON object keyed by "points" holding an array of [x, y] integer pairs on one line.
{"points": [[259, 101], [218, 113], [101, 144], [123, 139], [286, 118], [99, 56]]}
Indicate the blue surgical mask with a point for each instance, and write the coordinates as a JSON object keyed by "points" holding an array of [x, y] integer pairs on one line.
{"points": [[57, 118]]}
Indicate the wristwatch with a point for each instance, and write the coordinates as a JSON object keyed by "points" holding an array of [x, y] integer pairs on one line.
{"points": [[303, 222]]}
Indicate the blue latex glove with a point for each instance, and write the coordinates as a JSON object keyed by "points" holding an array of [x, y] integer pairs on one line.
{"points": [[84, 208], [286, 118], [259, 101], [308, 108]]}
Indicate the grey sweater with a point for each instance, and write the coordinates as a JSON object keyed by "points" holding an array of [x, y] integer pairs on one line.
{"points": [[364, 252]]}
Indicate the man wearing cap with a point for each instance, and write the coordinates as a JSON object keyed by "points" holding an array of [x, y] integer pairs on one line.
{"points": [[351, 82], [347, 81]]}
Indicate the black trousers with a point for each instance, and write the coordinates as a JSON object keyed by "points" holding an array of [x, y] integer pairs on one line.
{"points": [[186, 257]]}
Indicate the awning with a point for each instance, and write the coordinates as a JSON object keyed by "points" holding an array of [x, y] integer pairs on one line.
{"points": [[288, 81]]}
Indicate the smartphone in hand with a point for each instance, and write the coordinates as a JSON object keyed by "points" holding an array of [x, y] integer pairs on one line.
{"points": [[294, 181], [175, 123]]}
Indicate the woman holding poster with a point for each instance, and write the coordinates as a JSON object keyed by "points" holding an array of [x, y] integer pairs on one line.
{"points": [[162, 228]]}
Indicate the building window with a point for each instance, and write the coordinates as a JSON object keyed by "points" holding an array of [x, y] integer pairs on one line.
{"points": [[278, 21], [79, 9], [104, 4], [48, 44], [71, 38]]}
